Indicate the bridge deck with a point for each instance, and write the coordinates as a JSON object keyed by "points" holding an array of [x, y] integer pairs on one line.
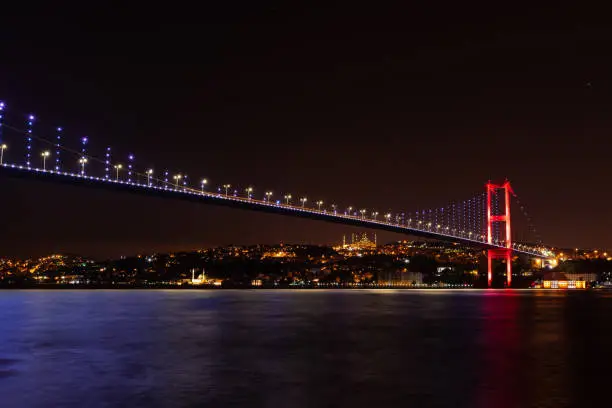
{"points": [[189, 194]]}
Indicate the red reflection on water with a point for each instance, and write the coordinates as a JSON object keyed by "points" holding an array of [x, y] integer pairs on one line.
{"points": [[499, 353]]}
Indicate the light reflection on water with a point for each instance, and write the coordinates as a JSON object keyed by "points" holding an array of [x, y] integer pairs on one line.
{"points": [[303, 348]]}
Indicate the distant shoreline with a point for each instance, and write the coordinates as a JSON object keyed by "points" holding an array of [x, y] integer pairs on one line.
{"points": [[296, 287]]}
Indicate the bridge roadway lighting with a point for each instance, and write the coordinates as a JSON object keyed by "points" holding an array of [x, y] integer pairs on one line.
{"points": [[388, 217], [374, 214], [178, 178], [44, 156], [303, 200], [149, 172], [268, 195], [349, 210], [334, 206], [363, 211], [117, 168], [249, 190], [227, 187], [319, 204], [83, 161], [287, 198], [2, 149], [203, 184]]}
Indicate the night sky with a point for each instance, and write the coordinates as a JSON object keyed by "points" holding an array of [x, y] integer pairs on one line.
{"points": [[391, 109]]}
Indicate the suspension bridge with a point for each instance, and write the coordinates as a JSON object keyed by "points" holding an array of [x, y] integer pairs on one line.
{"points": [[29, 150]]}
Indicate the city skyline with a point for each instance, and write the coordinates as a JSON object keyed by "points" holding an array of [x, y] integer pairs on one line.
{"points": [[415, 123]]}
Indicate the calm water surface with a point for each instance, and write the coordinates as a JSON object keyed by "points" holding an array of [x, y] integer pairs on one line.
{"points": [[360, 348]]}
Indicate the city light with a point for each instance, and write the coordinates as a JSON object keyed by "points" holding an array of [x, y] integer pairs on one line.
{"points": [[287, 198], [149, 173], [227, 187], [303, 200], [3, 147], [203, 183]]}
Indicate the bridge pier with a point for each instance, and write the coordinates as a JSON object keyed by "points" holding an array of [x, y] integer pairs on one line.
{"points": [[504, 218], [499, 254]]}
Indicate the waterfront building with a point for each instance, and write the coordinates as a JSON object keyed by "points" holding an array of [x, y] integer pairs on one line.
{"points": [[560, 280]]}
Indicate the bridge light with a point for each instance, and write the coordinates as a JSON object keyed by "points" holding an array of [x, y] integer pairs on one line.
{"points": [[203, 184], [3, 147], [249, 190], [268, 195], [319, 204], [29, 140], [227, 187], [287, 198], [303, 200]]}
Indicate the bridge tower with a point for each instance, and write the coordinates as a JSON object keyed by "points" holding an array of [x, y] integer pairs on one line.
{"points": [[499, 253]]}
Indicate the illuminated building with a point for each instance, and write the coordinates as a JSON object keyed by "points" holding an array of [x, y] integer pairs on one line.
{"points": [[560, 280], [359, 242], [278, 253]]}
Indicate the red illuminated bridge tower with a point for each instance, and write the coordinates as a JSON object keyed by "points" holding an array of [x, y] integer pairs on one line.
{"points": [[493, 192]]}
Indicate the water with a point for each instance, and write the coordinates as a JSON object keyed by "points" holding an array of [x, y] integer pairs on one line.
{"points": [[309, 348]]}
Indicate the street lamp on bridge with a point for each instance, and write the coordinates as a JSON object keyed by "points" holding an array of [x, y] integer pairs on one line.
{"points": [[227, 187], [44, 156], [83, 161], [203, 184], [287, 198], [363, 212], [319, 204], [249, 190], [178, 178], [268, 195], [2, 149], [117, 168], [303, 200], [374, 214]]}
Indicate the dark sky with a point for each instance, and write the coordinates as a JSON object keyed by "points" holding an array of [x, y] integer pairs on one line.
{"points": [[383, 108]]}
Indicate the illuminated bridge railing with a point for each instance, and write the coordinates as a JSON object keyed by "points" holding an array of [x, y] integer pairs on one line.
{"points": [[155, 184]]}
